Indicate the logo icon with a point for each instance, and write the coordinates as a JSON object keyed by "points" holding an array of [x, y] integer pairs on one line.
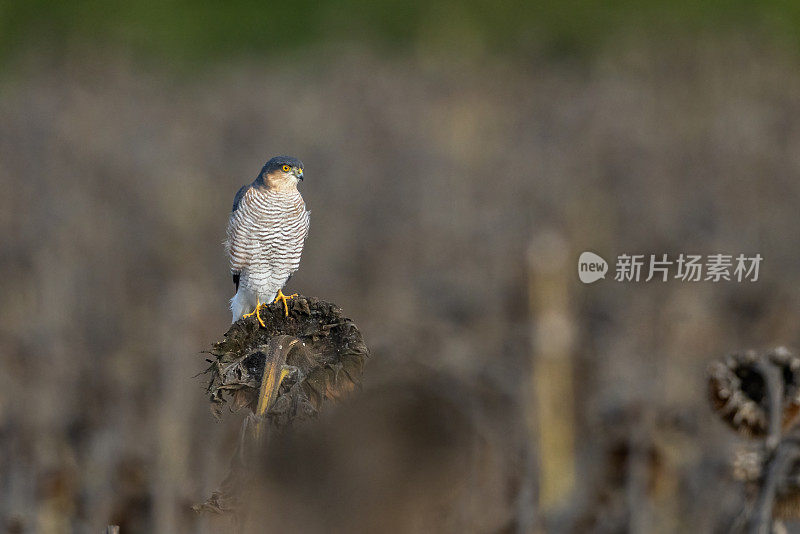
{"points": [[591, 267]]}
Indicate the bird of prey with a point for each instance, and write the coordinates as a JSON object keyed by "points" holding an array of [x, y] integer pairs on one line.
{"points": [[266, 231]]}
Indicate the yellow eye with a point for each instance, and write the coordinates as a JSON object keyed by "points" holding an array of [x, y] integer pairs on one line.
{"points": [[286, 168]]}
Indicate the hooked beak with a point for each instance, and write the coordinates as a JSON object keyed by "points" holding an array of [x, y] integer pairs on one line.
{"points": [[300, 176]]}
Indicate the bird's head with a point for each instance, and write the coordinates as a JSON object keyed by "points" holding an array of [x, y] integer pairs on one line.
{"points": [[282, 172]]}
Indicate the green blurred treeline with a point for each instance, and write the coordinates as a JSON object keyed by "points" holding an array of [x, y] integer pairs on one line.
{"points": [[183, 30]]}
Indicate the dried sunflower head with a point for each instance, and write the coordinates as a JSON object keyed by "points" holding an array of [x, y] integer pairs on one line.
{"points": [[738, 390], [751, 465], [330, 364], [748, 465]]}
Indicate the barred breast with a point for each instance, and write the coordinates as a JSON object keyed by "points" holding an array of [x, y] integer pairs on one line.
{"points": [[265, 239]]}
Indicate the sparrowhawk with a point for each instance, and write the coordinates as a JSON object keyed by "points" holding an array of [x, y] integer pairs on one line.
{"points": [[266, 231]]}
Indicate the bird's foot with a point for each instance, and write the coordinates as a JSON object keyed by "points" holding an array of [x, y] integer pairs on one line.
{"points": [[256, 313], [284, 298]]}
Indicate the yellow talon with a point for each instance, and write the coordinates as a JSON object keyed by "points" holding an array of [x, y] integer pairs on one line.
{"points": [[256, 313], [284, 298]]}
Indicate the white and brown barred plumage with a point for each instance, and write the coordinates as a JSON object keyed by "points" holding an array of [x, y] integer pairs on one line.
{"points": [[266, 231]]}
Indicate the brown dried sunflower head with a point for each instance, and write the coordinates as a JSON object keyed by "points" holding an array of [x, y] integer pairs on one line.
{"points": [[750, 466], [328, 368], [738, 390]]}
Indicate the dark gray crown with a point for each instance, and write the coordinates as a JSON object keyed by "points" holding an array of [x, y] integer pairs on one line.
{"points": [[279, 161]]}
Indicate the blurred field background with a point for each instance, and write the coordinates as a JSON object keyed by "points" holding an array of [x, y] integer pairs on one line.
{"points": [[459, 157]]}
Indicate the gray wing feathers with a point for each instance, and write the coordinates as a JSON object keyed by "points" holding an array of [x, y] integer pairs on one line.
{"points": [[239, 194], [231, 233]]}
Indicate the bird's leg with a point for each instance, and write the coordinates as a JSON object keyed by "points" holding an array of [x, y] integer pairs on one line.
{"points": [[284, 298], [256, 313]]}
